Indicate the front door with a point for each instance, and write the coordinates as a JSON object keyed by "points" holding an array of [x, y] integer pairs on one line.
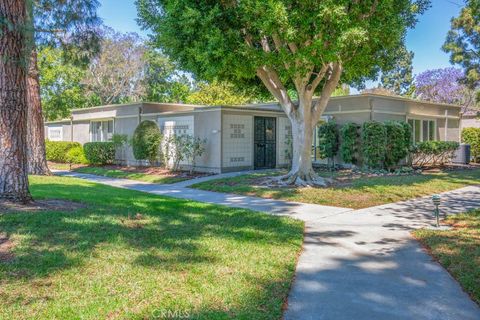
{"points": [[264, 142]]}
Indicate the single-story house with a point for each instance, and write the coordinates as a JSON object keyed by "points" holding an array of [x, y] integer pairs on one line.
{"points": [[470, 119], [250, 136]]}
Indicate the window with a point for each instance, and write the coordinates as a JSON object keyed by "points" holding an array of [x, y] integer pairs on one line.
{"points": [[423, 130], [55, 134], [101, 131]]}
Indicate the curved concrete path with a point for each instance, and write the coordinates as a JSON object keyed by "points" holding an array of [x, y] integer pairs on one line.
{"points": [[356, 264]]}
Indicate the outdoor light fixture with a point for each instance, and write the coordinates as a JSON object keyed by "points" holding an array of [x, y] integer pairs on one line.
{"points": [[436, 202]]}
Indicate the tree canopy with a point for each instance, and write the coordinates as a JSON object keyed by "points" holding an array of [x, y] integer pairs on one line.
{"points": [[463, 42], [400, 78]]}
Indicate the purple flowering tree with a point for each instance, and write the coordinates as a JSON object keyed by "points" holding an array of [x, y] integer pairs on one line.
{"points": [[444, 86]]}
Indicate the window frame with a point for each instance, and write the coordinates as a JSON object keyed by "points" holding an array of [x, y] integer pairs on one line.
{"points": [[102, 136], [422, 120]]}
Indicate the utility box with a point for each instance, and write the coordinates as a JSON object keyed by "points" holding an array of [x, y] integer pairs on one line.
{"points": [[462, 154]]}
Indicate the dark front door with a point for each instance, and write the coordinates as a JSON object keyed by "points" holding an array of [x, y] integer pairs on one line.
{"points": [[265, 142]]}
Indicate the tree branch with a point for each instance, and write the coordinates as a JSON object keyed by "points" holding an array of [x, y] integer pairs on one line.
{"points": [[272, 82], [327, 91]]}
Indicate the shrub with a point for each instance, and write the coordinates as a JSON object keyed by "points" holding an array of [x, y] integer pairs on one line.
{"points": [[471, 136], [434, 152], [76, 155], [328, 140], [56, 151], [397, 146], [374, 142], [175, 150], [146, 141], [99, 152], [349, 146], [194, 147]]}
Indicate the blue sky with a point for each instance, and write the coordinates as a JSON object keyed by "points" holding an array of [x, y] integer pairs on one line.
{"points": [[425, 40]]}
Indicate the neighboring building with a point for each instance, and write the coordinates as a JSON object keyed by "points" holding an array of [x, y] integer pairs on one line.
{"points": [[470, 119], [251, 136]]}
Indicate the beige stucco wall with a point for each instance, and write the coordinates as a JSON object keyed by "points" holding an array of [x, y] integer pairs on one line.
{"points": [[470, 123]]}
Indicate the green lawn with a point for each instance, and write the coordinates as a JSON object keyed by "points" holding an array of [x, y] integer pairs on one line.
{"points": [[175, 257], [360, 193], [458, 250], [116, 173]]}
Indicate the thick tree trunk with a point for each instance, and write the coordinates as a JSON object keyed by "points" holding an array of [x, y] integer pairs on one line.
{"points": [[37, 161], [13, 102], [303, 124]]}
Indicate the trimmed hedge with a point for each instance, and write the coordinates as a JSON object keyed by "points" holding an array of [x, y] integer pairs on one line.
{"points": [[56, 151], [76, 155], [374, 142], [328, 139], [471, 136], [99, 152], [349, 146], [434, 152], [398, 142], [146, 141]]}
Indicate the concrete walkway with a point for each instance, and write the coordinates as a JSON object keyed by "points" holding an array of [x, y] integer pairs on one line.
{"points": [[356, 264]]}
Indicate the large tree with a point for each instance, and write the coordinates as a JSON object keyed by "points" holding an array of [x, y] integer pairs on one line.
{"points": [[14, 47], [445, 86], [219, 93], [399, 78], [463, 42], [116, 74], [70, 25], [307, 46]]}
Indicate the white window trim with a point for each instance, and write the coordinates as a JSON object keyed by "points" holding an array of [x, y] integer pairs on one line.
{"points": [[102, 138], [56, 128], [435, 138]]}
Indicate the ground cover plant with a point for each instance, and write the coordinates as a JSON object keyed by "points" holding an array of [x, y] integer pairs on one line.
{"points": [[127, 254]]}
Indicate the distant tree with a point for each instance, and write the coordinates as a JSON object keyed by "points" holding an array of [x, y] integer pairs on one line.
{"points": [[444, 86], [399, 79], [463, 42], [69, 25], [341, 90], [162, 80], [218, 93], [301, 46], [116, 74], [60, 84]]}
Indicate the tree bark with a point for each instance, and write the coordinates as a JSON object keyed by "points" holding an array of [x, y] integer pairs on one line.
{"points": [[13, 102], [37, 160]]}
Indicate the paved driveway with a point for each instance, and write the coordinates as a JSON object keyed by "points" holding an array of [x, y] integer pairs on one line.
{"points": [[356, 264]]}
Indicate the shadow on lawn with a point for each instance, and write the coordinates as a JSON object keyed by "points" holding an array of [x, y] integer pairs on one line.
{"points": [[54, 241]]}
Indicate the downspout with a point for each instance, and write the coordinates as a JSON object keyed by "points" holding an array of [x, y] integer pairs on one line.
{"points": [[446, 124], [140, 111], [71, 128], [371, 108]]}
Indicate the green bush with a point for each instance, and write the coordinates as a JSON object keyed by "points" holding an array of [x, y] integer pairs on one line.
{"points": [[471, 136], [56, 151], [146, 141], [374, 142], [349, 146], [99, 152], [397, 144], [328, 140], [76, 155], [434, 152]]}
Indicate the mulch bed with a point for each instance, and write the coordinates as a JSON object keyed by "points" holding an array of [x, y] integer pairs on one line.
{"points": [[157, 171]]}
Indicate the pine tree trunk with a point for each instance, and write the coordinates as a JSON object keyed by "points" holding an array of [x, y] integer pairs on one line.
{"points": [[13, 102], [37, 161]]}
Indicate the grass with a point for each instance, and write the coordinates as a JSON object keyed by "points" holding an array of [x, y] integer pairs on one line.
{"points": [[458, 250], [116, 173], [361, 193], [175, 257]]}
